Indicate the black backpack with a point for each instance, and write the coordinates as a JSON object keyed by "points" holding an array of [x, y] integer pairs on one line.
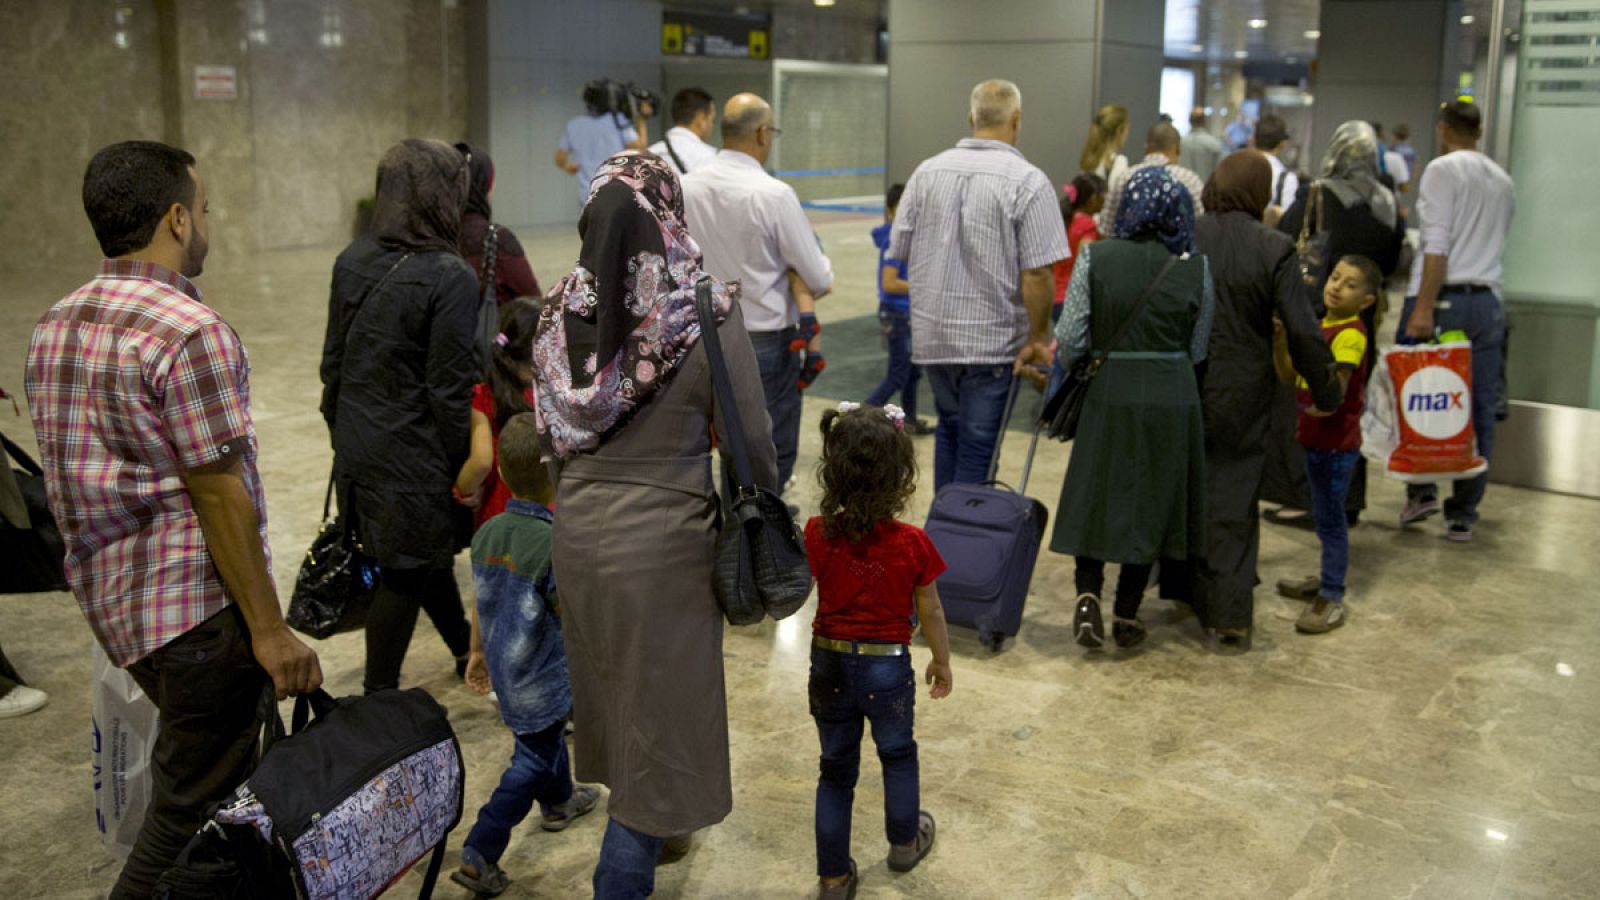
{"points": [[34, 555]]}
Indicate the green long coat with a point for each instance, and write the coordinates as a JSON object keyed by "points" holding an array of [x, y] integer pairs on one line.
{"points": [[1135, 485]]}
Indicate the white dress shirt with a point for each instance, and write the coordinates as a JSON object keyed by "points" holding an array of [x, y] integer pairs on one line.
{"points": [[1395, 165], [695, 153], [1466, 202], [1284, 196], [751, 229]]}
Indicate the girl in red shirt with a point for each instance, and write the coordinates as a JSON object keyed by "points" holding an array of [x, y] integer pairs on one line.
{"points": [[508, 391], [872, 571], [1081, 200]]}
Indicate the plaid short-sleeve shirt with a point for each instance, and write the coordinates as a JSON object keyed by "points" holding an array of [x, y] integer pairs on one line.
{"points": [[131, 381]]}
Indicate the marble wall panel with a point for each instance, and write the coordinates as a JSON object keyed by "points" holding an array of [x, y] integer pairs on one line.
{"points": [[80, 74]]}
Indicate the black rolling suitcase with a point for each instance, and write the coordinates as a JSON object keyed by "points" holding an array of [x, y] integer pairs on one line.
{"points": [[989, 537]]}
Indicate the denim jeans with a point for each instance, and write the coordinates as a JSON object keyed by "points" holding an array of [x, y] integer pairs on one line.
{"points": [[902, 376], [847, 691], [539, 771], [206, 686], [1328, 472], [971, 401], [1484, 321], [780, 381], [627, 868]]}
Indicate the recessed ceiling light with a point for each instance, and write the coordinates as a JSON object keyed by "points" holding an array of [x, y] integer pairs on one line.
{"points": [[1197, 48], [1240, 54], [1467, 20], [1291, 60], [1496, 835], [1258, 23], [823, 2], [1313, 35]]}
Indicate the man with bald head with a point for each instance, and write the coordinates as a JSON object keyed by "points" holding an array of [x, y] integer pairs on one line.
{"points": [[979, 229], [751, 228], [1162, 147]]}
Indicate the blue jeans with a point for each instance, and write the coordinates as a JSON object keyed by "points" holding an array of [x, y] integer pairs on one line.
{"points": [[780, 381], [971, 401], [1329, 472], [1482, 318], [627, 868], [539, 771], [902, 376], [846, 691]]}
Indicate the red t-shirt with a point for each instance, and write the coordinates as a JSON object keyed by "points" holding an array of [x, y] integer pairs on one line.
{"points": [[864, 589], [495, 492], [1082, 227]]}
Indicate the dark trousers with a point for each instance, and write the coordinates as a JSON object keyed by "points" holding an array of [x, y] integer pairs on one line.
{"points": [[780, 381], [1089, 575], [971, 401], [539, 772], [207, 687], [902, 375], [1479, 314], [627, 867], [1329, 472], [847, 691], [400, 593]]}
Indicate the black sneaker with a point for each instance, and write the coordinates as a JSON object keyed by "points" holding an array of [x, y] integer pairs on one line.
{"points": [[1127, 632], [1087, 625], [1459, 532]]}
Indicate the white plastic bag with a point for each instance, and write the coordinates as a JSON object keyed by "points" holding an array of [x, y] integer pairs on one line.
{"points": [[123, 735]]}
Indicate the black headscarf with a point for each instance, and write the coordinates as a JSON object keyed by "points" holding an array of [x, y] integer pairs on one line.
{"points": [[617, 326], [422, 187], [482, 179], [1242, 182]]}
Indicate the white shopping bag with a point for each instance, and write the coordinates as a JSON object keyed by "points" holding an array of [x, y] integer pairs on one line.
{"points": [[123, 734]]}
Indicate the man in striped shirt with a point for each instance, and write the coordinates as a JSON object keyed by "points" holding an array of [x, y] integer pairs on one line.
{"points": [[980, 229], [140, 399]]}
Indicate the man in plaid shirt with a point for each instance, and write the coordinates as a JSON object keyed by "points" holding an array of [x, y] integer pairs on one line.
{"points": [[141, 403]]}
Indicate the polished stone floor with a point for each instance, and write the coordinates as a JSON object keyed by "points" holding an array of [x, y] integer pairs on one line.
{"points": [[1442, 745]]}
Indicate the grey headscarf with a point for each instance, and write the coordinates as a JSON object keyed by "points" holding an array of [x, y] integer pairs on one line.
{"points": [[1350, 171]]}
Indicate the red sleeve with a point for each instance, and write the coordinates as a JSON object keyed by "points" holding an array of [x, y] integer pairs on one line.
{"points": [[483, 399], [816, 544], [514, 273], [932, 563]]}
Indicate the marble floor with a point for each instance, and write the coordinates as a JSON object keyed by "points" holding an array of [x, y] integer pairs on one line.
{"points": [[1442, 745]]}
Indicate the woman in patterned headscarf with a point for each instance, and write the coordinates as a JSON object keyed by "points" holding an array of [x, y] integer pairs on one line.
{"points": [[625, 403], [1134, 485], [397, 404]]}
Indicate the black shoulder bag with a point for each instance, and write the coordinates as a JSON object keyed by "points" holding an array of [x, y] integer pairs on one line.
{"points": [[761, 560], [335, 584], [667, 140], [1065, 407]]}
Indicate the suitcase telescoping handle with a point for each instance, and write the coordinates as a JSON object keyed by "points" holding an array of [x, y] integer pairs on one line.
{"points": [[1000, 438]]}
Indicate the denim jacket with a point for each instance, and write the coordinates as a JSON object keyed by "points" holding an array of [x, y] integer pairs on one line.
{"points": [[518, 617]]}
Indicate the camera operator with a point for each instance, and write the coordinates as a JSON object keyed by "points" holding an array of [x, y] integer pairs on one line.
{"points": [[684, 145], [615, 122]]}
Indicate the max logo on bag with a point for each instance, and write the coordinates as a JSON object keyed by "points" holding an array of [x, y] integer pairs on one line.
{"points": [[1433, 402]]}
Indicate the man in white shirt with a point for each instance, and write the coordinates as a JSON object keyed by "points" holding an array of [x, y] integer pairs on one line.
{"points": [[751, 229], [980, 228], [1162, 147], [1272, 138], [684, 145], [1466, 201]]}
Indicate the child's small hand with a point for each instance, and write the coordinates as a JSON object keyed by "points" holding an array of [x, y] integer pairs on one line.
{"points": [[939, 676], [477, 674]]}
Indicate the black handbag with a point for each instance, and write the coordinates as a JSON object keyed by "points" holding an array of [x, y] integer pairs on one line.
{"points": [[761, 567], [334, 589], [33, 551], [1061, 412], [1311, 244]]}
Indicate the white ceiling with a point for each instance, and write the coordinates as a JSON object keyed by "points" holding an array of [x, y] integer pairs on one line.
{"points": [[1219, 30]]}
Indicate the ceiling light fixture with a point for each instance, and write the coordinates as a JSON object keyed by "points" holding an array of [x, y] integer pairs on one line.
{"points": [[1240, 54], [1258, 23], [1313, 35], [1197, 48], [823, 2], [1467, 20]]}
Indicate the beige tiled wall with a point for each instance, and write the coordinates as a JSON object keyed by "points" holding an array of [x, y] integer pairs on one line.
{"points": [[324, 87]]}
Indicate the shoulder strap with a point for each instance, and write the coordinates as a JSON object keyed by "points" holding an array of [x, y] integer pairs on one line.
{"points": [[15, 451], [743, 475], [491, 250], [1133, 314], [1277, 191], [667, 139]]}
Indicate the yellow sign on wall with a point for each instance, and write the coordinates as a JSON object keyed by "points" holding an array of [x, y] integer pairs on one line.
{"points": [[758, 44], [671, 37]]}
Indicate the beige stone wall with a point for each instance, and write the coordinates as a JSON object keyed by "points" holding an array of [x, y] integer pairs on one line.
{"points": [[324, 88]]}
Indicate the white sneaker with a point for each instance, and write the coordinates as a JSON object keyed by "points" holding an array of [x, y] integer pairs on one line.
{"points": [[21, 700]]}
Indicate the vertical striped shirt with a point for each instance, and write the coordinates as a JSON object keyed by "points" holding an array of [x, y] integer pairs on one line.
{"points": [[972, 219], [131, 382]]}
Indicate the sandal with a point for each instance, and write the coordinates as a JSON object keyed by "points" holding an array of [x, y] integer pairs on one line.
{"points": [[842, 891], [489, 881], [904, 857], [582, 801]]}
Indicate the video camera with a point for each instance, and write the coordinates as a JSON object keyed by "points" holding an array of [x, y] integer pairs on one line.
{"points": [[603, 95]]}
